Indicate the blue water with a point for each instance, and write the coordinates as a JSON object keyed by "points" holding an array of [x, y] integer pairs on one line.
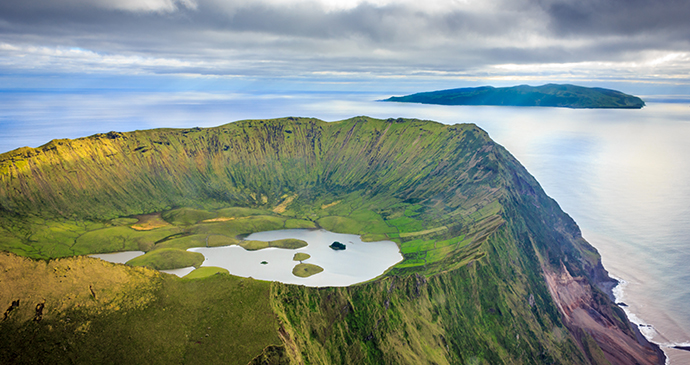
{"points": [[621, 174]]}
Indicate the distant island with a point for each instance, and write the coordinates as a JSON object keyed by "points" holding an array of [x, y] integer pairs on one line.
{"points": [[550, 95]]}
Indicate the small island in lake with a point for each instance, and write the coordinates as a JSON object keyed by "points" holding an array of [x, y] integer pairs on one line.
{"points": [[549, 95], [288, 243], [337, 246], [301, 256], [306, 270]]}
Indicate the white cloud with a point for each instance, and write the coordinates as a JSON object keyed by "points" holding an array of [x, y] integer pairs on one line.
{"points": [[63, 59], [145, 6], [651, 67], [335, 6], [8, 47]]}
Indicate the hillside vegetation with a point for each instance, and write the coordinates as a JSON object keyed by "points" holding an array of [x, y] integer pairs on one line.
{"points": [[550, 95], [493, 271]]}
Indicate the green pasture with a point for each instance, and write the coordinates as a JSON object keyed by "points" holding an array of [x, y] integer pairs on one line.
{"points": [[420, 242]]}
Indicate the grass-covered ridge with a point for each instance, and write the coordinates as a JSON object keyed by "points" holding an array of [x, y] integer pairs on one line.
{"points": [[550, 95], [477, 233]]}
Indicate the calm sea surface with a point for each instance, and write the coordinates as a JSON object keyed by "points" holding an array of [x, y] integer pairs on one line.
{"points": [[623, 175]]}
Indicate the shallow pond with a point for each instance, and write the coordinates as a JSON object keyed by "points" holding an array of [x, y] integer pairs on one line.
{"points": [[123, 257], [118, 257], [179, 272], [359, 262]]}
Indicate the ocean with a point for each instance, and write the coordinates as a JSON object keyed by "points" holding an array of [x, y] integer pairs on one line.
{"points": [[621, 174]]}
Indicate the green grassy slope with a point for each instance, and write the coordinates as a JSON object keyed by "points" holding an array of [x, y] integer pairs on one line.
{"points": [[476, 314], [133, 315], [477, 233], [243, 163], [550, 95]]}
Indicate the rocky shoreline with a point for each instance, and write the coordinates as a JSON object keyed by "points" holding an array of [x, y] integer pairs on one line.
{"points": [[606, 284]]}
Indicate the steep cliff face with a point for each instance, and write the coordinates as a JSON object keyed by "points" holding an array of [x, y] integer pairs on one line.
{"points": [[575, 278], [514, 301], [589, 318], [494, 271]]}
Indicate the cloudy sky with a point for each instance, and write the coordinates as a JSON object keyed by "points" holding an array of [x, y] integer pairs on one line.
{"points": [[322, 43]]}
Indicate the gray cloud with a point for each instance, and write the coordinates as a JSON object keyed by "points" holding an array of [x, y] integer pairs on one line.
{"points": [[618, 17], [302, 37]]}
